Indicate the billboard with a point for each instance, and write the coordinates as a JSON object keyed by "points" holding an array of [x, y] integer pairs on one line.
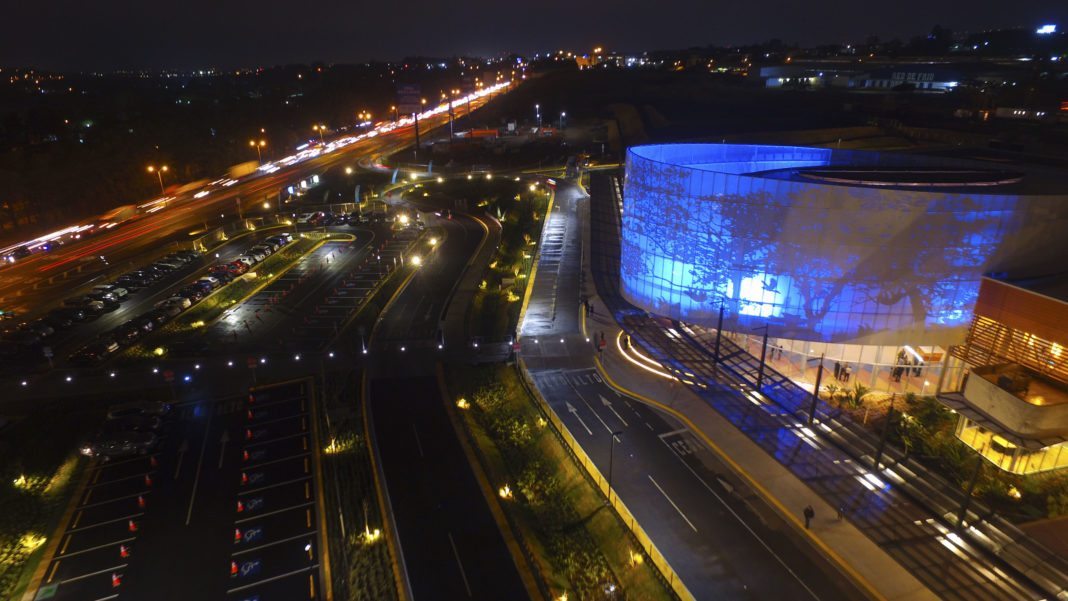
{"points": [[409, 99]]}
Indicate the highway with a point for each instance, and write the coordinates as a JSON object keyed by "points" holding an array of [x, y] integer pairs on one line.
{"points": [[32, 282]]}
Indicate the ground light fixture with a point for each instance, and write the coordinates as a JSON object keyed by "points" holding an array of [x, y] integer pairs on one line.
{"points": [[417, 260]]}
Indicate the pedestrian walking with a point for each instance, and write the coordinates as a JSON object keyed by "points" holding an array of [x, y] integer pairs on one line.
{"points": [[841, 513], [846, 372], [837, 370], [809, 514], [626, 341]]}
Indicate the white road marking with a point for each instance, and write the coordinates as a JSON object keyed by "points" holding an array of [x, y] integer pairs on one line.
{"points": [[263, 515], [418, 443], [91, 574], [688, 522], [123, 518], [96, 548], [273, 543], [744, 524], [463, 574], [272, 579], [200, 462], [252, 490]]}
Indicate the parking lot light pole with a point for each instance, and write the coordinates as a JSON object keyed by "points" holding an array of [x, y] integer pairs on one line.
{"points": [[611, 454]]}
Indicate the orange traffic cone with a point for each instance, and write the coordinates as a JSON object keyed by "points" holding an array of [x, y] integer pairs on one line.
{"points": [[124, 551], [250, 414], [244, 455], [131, 525], [240, 506], [148, 480], [233, 569], [244, 478], [237, 535], [251, 399], [248, 434], [153, 461], [141, 501], [116, 580]]}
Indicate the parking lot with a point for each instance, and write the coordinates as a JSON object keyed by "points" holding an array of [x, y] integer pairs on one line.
{"points": [[235, 479]]}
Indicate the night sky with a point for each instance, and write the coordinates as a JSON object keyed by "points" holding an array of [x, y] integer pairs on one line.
{"points": [[111, 34]]}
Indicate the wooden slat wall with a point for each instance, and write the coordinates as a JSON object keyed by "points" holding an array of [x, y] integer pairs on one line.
{"points": [[1023, 310]]}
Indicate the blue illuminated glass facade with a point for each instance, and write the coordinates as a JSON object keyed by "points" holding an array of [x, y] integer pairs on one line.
{"points": [[723, 224]]}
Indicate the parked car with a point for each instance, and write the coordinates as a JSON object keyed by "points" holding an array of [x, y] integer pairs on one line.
{"points": [[104, 297], [210, 281], [263, 249], [145, 323], [117, 291], [238, 267], [130, 283], [38, 326], [192, 292], [127, 333], [90, 354], [192, 254], [256, 255], [21, 337], [75, 314], [272, 243], [248, 260], [121, 443], [174, 301], [162, 316], [136, 408], [58, 319], [134, 423]]}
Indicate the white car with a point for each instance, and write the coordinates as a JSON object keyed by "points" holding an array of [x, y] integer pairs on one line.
{"points": [[117, 291], [257, 255], [247, 260], [214, 283]]}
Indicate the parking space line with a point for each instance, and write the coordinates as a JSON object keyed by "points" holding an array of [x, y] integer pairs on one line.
{"points": [[77, 518], [123, 479], [279, 460], [91, 574], [108, 464], [275, 420], [270, 440], [463, 573], [276, 511], [272, 579], [99, 503], [262, 488], [98, 547], [274, 543], [109, 597], [128, 517], [200, 463], [52, 571]]}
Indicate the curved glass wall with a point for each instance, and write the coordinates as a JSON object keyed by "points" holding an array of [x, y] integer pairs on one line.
{"points": [[731, 225]]}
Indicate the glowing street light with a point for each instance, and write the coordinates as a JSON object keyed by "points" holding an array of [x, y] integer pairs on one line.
{"points": [[320, 129], [159, 172], [348, 170], [417, 260], [258, 145]]}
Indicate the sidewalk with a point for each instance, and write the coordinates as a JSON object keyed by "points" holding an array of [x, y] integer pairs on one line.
{"points": [[868, 565]]}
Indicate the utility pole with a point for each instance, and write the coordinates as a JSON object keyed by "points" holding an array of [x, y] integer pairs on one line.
{"points": [[415, 154], [815, 392], [763, 356], [611, 453], [886, 433], [719, 331]]}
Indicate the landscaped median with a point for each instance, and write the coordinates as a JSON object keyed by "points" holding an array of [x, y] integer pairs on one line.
{"points": [[580, 545]]}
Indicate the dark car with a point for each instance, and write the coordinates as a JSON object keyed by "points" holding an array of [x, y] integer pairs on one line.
{"points": [[103, 296], [145, 323], [127, 333], [89, 354], [224, 276], [194, 292], [130, 283], [191, 254], [21, 337], [41, 327], [120, 443], [146, 275], [136, 408], [134, 423], [58, 319], [158, 317], [72, 313]]}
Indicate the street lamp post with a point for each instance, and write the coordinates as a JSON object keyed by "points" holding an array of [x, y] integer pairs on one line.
{"points": [[763, 356], [611, 454], [537, 114], [320, 129], [415, 154], [258, 146], [159, 173], [562, 116]]}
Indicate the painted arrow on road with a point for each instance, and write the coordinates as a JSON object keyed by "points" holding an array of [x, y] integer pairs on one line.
{"points": [[608, 404], [573, 411]]}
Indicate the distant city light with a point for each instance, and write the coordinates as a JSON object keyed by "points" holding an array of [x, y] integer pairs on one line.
{"points": [[1046, 30]]}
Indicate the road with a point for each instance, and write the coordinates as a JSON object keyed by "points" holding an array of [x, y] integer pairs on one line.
{"points": [[720, 542], [31, 283], [226, 508], [451, 546]]}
